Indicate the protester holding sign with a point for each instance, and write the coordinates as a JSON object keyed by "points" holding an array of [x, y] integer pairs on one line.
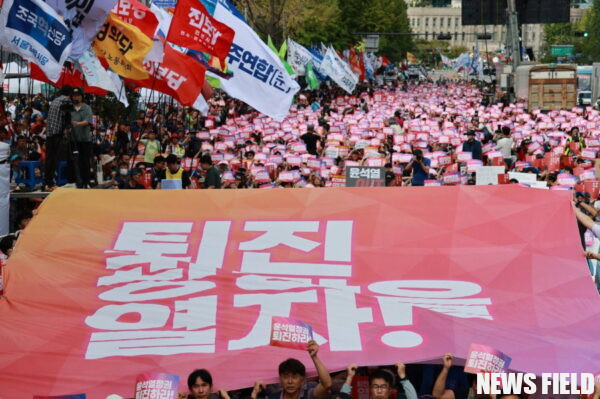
{"points": [[292, 376]]}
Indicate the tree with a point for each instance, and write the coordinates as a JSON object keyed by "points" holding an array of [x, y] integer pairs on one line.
{"points": [[591, 25]]}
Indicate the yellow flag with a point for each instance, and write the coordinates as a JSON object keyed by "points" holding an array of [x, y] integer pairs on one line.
{"points": [[411, 58], [124, 47]]}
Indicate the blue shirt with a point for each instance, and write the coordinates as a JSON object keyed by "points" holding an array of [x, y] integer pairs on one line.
{"points": [[419, 175]]}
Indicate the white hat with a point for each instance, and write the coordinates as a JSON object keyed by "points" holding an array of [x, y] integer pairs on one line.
{"points": [[104, 159]]}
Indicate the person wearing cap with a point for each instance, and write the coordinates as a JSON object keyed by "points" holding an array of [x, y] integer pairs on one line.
{"points": [[55, 128], [174, 147], [419, 166], [575, 142], [81, 136], [135, 180], [213, 177], [473, 146]]}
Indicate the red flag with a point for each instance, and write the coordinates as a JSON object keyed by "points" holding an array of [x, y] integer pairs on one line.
{"points": [[363, 69], [69, 77], [353, 61], [193, 27], [137, 14], [178, 76], [384, 61]]}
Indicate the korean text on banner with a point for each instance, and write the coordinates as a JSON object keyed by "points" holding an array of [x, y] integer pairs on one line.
{"points": [[290, 333], [259, 78], [137, 14], [298, 57], [84, 18], [482, 358], [156, 385], [33, 30], [365, 176], [173, 78], [224, 273], [334, 67], [97, 76], [124, 47], [193, 27]]}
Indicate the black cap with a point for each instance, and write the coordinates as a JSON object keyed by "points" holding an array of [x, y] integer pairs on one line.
{"points": [[77, 91], [470, 133]]}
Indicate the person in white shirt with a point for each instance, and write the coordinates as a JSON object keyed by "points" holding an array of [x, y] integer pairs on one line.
{"points": [[505, 145]]}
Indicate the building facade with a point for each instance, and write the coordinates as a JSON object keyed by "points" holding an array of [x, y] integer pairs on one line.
{"points": [[429, 22]]}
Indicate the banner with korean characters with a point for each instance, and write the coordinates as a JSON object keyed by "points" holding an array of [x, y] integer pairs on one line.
{"points": [[365, 176], [122, 290]]}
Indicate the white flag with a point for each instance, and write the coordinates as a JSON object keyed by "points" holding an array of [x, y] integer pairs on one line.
{"points": [[97, 76], [298, 57], [259, 78], [119, 88], [85, 18], [33, 30], [341, 74]]}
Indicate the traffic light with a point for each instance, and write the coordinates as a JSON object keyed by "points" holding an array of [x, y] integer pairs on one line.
{"points": [[444, 36], [581, 34], [481, 36]]}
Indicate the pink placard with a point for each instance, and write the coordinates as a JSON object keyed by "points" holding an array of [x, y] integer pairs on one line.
{"points": [[156, 385], [483, 358], [290, 333]]}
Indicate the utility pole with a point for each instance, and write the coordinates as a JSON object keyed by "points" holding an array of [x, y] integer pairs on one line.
{"points": [[513, 47]]}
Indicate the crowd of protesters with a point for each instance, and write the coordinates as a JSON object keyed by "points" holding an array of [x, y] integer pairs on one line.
{"points": [[421, 133], [400, 381]]}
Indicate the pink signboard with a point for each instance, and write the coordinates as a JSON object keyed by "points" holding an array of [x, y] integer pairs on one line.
{"points": [[290, 333]]}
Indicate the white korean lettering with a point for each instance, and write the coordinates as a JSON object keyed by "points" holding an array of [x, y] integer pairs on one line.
{"points": [[338, 241], [197, 18], [279, 304], [211, 250], [260, 263], [138, 343], [136, 274], [150, 316], [139, 291], [196, 313], [280, 232], [343, 316]]}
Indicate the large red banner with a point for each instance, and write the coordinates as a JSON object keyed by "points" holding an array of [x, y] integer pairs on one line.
{"points": [[193, 27], [104, 286]]}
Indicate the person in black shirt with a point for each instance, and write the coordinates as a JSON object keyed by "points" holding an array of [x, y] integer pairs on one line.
{"points": [[134, 181], [158, 171], [213, 177], [310, 138]]}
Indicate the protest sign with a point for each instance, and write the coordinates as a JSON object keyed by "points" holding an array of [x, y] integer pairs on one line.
{"points": [[171, 184], [486, 175], [363, 176], [483, 358], [290, 333], [156, 385]]}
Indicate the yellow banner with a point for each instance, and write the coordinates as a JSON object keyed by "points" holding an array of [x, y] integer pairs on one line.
{"points": [[124, 47]]}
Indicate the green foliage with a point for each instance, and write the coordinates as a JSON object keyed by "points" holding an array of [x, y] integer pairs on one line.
{"points": [[109, 108], [331, 21]]}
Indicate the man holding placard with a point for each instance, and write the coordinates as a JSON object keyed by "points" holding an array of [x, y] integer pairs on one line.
{"points": [[292, 376]]}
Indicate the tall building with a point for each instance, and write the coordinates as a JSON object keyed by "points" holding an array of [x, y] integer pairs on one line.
{"points": [[429, 22]]}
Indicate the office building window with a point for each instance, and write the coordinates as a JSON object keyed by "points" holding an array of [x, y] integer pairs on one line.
{"points": [[463, 37], [418, 21], [456, 22], [433, 21], [426, 21], [441, 22]]}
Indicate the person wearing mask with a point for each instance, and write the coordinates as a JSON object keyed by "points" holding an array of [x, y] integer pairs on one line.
{"points": [[419, 165], [81, 136], [213, 177], [473, 146], [58, 114]]}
